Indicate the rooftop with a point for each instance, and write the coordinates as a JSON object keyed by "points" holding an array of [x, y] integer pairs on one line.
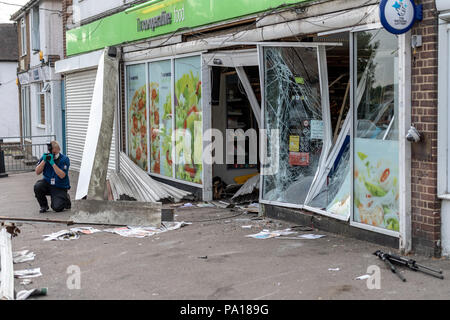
{"points": [[8, 42]]}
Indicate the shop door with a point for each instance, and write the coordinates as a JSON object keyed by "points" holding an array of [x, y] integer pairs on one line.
{"points": [[304, 167]]}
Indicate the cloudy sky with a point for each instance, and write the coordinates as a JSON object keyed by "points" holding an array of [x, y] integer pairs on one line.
{"points": [[7, 10]]}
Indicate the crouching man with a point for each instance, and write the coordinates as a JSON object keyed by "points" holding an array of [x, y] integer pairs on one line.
{"points": [[55, 167]]}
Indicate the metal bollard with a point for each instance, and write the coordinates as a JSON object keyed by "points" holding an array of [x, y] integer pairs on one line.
{"points": [[2, 162]]}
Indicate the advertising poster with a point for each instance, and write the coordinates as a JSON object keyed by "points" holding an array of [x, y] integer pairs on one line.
{"points": [[188, 115], [137, 115], [376, 186], [161, 118]]}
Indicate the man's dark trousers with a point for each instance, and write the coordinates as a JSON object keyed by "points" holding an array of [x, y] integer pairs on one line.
{"points": [[60, 198]]}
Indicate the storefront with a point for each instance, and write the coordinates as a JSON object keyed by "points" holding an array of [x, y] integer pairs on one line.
{"points": [[325, 90], [443, 114]]}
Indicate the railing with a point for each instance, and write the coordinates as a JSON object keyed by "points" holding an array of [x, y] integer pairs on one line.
{"points": [[21, 154]]}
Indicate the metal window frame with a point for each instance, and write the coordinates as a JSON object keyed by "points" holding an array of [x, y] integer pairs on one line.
{"points": [[147, 63], [404, 161], [323, 75]]}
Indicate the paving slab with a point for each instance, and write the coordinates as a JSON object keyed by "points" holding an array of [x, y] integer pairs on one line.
{"points": [[210, 259]]}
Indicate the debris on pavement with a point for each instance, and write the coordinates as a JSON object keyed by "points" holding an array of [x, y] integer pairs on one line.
{"points": [[133, 183], [187, 205], [264, 235], [205, 205], [26, 282], [63, 235], [334, 269], [28, 273], [204, 257], [364, 277], [312, 236], [85, 230], [143, 232], [6, 260], [247, 227], [23, 256], [248, 192], [25, 294]]}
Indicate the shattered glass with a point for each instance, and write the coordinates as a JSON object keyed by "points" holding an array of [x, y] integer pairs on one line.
{"points": [[376, 147], [293, 106], [335, 195]]}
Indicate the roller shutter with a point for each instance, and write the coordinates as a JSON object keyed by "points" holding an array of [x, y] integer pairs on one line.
{"points": [[79, 91]]}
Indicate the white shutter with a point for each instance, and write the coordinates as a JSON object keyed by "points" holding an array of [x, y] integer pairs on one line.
{"points": [[79, 90]]}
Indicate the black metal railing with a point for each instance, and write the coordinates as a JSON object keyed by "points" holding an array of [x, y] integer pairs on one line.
{"points": [[21, 154]]}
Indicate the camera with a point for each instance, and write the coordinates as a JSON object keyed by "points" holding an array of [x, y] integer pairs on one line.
{"points": [[413, 135], [48, 156]]}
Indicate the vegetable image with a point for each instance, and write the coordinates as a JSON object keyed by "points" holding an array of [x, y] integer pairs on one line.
{"points": [[137, 124], [376, 190], [188, 116]]}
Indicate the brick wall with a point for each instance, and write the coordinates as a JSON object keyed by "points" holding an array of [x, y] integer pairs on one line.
{"points": [[426, 218], [66, 16]]}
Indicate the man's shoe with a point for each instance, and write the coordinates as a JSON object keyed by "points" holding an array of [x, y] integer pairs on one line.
{"points": [[44, 210]]}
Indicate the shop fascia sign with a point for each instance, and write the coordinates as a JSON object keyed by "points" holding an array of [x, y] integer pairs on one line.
{"points": [[399, 16], [162, 17]]}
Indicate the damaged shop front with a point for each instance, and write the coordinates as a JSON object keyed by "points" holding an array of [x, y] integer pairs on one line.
{"points": [[318, 91]]}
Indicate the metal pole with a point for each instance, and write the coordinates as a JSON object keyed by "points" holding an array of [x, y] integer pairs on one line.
{"points": [[2, 161]]}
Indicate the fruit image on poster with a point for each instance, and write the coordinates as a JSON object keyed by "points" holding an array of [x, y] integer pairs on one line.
{"points": [[188, 115], [137, 115], [161, 118], [376, 187]]}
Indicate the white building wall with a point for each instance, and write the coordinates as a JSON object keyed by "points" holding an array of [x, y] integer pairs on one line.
{"points": [[9, 103], [85, 9], [51, 44]]}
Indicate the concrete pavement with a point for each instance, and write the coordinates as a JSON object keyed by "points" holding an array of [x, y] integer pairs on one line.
{"points": [[173, 265]]}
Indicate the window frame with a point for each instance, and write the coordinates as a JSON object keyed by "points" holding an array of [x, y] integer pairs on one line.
{"points": [[146, 63], [23, 37], [328, 147]]}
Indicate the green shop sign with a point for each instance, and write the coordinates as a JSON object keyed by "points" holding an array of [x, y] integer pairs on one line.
{"points": [[160, 17]]}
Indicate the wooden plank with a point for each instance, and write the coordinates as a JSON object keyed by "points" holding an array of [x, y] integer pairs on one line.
{"points": [[7, 273], [341, 113]]}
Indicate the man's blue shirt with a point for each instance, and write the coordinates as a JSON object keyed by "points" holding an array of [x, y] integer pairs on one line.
{"points": [[63, 163]]}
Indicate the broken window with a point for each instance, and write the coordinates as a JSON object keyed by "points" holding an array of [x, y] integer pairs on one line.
{"points": [[376, 147], [293, 111]]}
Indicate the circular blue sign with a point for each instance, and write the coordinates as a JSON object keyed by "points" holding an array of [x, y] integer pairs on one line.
{"points": [[398, 16]]}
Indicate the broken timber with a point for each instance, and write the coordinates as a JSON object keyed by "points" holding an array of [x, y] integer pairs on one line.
{"points": [[7, 271]]}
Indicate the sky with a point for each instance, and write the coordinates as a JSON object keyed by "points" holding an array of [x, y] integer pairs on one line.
{"points": [[7, 10]]}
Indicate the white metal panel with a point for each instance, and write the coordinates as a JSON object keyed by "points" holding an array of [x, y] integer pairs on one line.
{"points": [[79, 90]]}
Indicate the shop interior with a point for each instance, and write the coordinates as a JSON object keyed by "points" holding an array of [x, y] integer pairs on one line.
{"points": [[231, 109]]}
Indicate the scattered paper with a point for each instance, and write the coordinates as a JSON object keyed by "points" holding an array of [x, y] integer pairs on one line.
{"points": [[187, 205], [26, 282], [85, 230], [62, 235], [25, 294], [143, 232], [23, 256], [364, 277], [285, 232], [28, 273], [334, 269], [264, 235], [246, 227], [311, 236], [205, 205]]}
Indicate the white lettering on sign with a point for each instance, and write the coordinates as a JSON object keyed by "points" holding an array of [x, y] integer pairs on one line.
{"points": [[178, 15]]}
